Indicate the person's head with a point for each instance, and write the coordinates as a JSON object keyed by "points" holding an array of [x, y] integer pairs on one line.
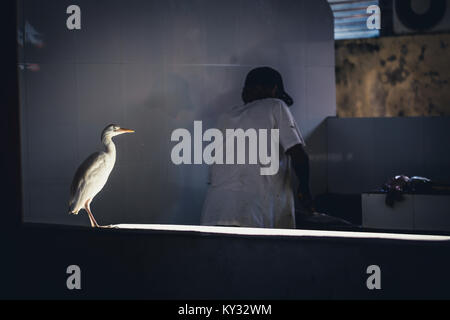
{"points": [[262, 83]]}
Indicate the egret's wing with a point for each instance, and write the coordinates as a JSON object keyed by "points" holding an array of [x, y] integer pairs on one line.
{"points": [[91, 164]]}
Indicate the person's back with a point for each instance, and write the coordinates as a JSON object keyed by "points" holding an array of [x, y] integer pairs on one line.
{"points": [[239, 194], [252, 187]]}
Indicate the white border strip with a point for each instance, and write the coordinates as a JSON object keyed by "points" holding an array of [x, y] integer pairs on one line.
{"points": [[284, 232]]}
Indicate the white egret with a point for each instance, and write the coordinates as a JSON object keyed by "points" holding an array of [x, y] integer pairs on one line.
{"points": [[93, 173]]}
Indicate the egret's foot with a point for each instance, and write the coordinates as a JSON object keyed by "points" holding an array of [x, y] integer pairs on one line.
{"points": [[111, 226]]}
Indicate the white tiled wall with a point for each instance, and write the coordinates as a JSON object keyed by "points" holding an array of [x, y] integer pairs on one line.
{"points": [[155, 66]]}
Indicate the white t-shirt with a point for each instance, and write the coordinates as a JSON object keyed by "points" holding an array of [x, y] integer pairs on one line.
{"points": [[238, 194]]}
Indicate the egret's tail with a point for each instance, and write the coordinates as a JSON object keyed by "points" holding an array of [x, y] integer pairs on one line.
{"points": [[72, 209]]}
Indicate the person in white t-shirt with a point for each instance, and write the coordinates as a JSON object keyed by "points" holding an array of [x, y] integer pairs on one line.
{"points": [[238, 194]]}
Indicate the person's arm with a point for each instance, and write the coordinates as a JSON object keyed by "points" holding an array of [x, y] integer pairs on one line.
{"points": [[292, 141], [300, 164]]}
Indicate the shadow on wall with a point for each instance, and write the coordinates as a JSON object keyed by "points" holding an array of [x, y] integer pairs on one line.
{"points": [[158, 190]]}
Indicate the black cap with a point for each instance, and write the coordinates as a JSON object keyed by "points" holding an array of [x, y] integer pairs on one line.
{"points": [[268, 77]]}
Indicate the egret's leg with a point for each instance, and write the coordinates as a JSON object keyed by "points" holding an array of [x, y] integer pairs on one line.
{"points": [[89, 215], [87, 206], [94, 223], [90, 219]]}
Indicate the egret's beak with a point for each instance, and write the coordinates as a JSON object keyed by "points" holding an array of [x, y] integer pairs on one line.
{"points": [[123, 130]]}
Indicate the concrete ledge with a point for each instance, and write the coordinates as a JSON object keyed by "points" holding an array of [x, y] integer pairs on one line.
{"points": [[283, 232]]}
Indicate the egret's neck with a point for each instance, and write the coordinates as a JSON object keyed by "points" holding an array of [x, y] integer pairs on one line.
{"points": [[110, 147]]}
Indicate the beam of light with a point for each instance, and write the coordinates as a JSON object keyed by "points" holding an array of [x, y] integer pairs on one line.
{"points": [[284, 232]]}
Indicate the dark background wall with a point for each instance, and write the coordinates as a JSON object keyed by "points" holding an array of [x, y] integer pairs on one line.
{"points": [[364, 153], [156, 66]]}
